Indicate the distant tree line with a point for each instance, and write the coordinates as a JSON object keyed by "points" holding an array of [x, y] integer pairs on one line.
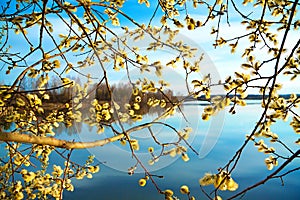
{"points": [[122, 94]]}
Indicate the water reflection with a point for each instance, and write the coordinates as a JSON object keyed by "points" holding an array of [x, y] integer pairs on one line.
{"points": [[114, 184]]}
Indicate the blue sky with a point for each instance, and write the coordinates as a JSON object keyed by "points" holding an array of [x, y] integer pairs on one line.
{"points": [[220, 60]]}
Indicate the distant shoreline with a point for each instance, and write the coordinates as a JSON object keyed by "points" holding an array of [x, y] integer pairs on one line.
{"points": [[249, 97]]}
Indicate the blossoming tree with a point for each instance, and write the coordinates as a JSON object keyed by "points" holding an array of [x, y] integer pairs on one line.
{"points": [[45, 40]]}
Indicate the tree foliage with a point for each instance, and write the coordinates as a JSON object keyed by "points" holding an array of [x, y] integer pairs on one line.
{"points": [[45, 40]]}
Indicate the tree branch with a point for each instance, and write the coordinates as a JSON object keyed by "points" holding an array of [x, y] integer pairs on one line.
{"points": [[33, 139], [268, 177]]}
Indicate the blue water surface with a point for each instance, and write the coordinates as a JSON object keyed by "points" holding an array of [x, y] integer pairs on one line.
{"points": [[217, 140]]}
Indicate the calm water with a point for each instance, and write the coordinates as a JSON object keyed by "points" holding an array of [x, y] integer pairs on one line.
{"points": [[216, 141], [227, 133]]}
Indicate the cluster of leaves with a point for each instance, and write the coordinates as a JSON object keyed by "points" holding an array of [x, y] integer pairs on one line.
{"points": [[27, 173], [221, 181]]}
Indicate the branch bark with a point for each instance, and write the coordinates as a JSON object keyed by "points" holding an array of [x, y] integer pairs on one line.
{"points": [[272, 175], [33, 139]]}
